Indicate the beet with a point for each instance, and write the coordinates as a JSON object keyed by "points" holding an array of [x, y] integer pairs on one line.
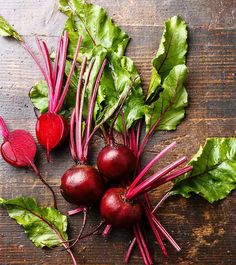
{"points": [[116, 162], [19, 149], [118, 211], [51, 130], [82, 185]]}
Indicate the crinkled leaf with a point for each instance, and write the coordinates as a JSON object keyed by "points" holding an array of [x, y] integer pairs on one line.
{"points": [[94, 25], [6, 30], [172, 51], [214, 171], [44, 226], [169, 108]]}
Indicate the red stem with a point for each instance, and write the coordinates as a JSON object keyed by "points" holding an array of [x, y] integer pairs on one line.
{"points": [[167, 195], [151, 164], [61, 71], [130, 249], [106, 230], [140, 246], [76, 211], [55, 68], [165, 233], [146, 184], [72, 138], [3, 129], [78, 115], [44, 182], [66, 87], [91, 108], [124, 128]]}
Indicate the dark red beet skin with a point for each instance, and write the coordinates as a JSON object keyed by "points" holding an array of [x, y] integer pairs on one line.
{"points": [[116, 162], [82, 185], [19, 148], [119, 212], [51, 130]]}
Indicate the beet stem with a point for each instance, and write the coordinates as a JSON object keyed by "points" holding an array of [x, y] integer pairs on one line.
{"points": [[72, 137], [162, 200], [66, 87], [61, 71], [91, 108], [124, 128], [140, 246], [130, 249], [3, 129], [172, 176], [106, 230], [76, 211], [78, 114], [165, 233], [146, 184], [151, 164], [145, 247], [44, 182], [55, 68], [81, 229]]}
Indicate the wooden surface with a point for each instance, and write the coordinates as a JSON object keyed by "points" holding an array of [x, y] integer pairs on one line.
{"points": [[204, 231]]}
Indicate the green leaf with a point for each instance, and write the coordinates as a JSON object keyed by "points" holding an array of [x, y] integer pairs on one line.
{"points": [[94, 25], [214, 171], [6, 30], [44, 226], [172, 51], [169, 109]]}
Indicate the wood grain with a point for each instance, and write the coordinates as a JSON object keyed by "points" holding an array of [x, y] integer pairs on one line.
{"points": [[204, 231]]}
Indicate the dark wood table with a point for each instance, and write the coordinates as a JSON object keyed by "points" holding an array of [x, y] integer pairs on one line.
{"points": [[205, 231]]}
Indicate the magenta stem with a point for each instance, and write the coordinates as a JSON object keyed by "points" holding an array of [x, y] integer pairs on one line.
{"points": [[140, 246], [61, 70], [43, 181], [165, 233], [3, 129], [124, 128], [143, 186], [139, 127], [145, 140], [78, 115], [172, 176], [72, 137], [151, 164], [55, 68], [130, 249], [106, 230], [91, 108], [66, 87], [76, 211], [162, 200]]}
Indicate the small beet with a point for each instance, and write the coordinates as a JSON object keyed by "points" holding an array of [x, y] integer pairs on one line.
{"points": [[82, 185], [118, 211], [116, 162], [51, 130]]}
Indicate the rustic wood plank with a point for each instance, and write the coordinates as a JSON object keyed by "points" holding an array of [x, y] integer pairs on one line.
{"points": [[204, 231]]}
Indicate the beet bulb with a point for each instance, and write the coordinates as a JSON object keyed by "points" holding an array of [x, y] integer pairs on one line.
{"points": [[118, 211], [82, 185], [116, 162]]}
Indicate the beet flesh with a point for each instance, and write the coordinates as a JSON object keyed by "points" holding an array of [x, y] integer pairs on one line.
{"points": [[116, 162], [19, 148], [51, 130], [82, 185], [119, 212]]}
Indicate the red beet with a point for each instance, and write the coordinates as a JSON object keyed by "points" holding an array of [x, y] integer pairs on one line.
{"points": [[51, 130], [82, 185], [118, 211], [116, 162], [19, 149]]}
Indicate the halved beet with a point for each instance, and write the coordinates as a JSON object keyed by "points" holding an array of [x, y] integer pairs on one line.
{"points": [[82, 185], [19, 148], [118, 211], [51, 130]]}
